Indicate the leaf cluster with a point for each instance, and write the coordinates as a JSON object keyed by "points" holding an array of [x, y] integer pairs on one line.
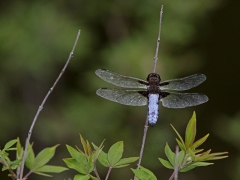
{"points": [[35, 164], [84, 161], [190, 157]]}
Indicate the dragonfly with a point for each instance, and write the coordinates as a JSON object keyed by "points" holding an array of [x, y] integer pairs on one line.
{"points": [[138, 92]]}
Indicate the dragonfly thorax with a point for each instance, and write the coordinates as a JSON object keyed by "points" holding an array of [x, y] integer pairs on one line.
{"points": [[154, 81], [154, 78]]}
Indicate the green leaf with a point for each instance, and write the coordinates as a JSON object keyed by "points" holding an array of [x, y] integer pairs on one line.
{"points": [[165, 163], [115, 153], [9, 144], [103, 159], [180, 157], [51, 169], [73, 164], [89, 149], [84, 144], [42, 174], [181, 139], [170, 155], [190, 131], [90, 164], [216, 156], [144, 173], [43, 157], [30, 157], [19, 152], [81, 177], [191, 154], [15, 164], [202, 156], [182, 146], [79, 156], [197, 164], [199, 142], [125, 161]]}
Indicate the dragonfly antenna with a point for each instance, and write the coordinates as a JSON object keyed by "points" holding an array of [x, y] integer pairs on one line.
{"points": [[158, 40]]}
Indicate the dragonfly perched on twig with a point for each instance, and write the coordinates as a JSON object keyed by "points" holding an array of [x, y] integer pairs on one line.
{"points": [[151, 91]]}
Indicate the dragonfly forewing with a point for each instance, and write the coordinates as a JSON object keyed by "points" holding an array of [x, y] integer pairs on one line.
{"points": [[120, 80], [182, 100], [185, 83], [123, 96]]}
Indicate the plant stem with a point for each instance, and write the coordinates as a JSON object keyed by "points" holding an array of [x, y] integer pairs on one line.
{"points": [[108, 173], [143, 144], [95, 171], [42, 104]]}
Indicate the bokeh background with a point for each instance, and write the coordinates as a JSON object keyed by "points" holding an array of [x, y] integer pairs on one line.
{"points": [[36, 38]]}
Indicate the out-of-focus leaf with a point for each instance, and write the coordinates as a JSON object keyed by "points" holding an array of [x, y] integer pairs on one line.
{"points": [[73, 164], [19, 152], [165, 163], [190, 131], [98, 149], [15, 164], [89, 148], [51, 169], [183, 147], [30, 157], [90, 166], [115, 153], [43, 157], [180, 157], [84, 144], [103, 159], [42, 174], [81, 177], [216, 156], [197, 164], [144, 173], [170, 155], [191, 154], [199, 142], [9, 144], [202, 156], [79, 156], [125, 161]]}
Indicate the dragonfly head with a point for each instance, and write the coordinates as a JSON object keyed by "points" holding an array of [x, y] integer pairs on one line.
{"points": [[153, 77]]}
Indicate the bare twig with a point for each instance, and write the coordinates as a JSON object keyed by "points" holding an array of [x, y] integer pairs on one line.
{"points": [[42, 104], [158, 40], [108, 173], [154, 70], [95, 171], [176, 163], [143, 145]]}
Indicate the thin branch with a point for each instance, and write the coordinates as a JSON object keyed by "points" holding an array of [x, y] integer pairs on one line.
{"points": [[143, 145], [158, 40], [13, 175], [176, 164], [95, 171], [43, 102], [154, 70], [108, 173]]}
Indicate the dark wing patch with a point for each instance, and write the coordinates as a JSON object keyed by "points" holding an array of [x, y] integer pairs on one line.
{"points": [[123, 96], [121, 80], [182, 100], [182, 84]]}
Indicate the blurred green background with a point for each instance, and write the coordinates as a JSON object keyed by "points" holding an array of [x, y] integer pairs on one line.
{"points": [[197, 37]]}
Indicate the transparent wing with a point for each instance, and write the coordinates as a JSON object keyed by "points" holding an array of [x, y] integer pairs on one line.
{"points": [[120, 80], [123, 96], [182, 100], [185, 83]]}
